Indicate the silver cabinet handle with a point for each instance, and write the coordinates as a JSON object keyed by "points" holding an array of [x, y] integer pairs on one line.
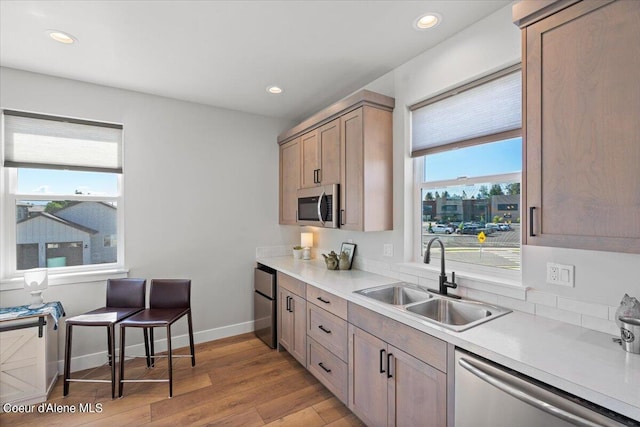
{"points": [[322, 196], [534, 395]]}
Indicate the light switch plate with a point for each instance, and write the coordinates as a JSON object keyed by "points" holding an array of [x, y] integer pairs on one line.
{"points": [[560, 274]]}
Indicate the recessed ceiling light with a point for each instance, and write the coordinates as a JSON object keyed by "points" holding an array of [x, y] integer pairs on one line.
{"points": [[274, 89], [428, 20], [61, 36]]}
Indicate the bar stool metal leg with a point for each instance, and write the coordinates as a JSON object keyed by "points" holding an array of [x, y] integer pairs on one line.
{"points": [[170, 361], [67, 360], [121, 378], [192, 347]]}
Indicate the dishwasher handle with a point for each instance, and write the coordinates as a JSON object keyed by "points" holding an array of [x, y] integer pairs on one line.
{"points": [[515, 387]]}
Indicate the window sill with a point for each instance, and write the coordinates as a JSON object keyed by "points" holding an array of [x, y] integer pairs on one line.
{"points": [[482, 281], [69, 278]]}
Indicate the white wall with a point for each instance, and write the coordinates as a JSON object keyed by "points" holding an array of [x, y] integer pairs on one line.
{"points": [[601, 278], [200, 188]]}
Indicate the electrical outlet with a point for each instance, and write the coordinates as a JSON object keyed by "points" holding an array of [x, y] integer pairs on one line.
{"points": [[560, 274], [388, 249]]}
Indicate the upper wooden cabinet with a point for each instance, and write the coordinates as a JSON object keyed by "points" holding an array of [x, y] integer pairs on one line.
{"points": [[366, 193], [582, 140], [321, 156], [289, 181], [349, 143]]}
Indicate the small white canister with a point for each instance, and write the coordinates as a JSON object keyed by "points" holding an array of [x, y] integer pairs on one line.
{"points": [[630, 334]]}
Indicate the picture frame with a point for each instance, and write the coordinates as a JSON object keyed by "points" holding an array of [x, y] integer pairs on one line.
{"points": [[350, 249]]}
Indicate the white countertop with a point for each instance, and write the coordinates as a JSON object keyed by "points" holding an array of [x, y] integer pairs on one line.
{"points": [[580, 361]]}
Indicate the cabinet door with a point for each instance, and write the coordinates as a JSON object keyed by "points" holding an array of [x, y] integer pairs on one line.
{"points": [[417, 392], [285, 320], [582, 136], [352, 190], [289, 181], [310, 149], [368, 377], [329, 136], [298, 347]]}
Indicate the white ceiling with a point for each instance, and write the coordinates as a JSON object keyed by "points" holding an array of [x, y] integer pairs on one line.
{"points": [[225, 53]]}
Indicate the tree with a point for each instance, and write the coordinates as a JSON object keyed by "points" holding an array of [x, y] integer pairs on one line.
{"points": [[437, 195], [428, 196], [54, 206], [464, 194], [513, 188], [496, 190], [483, 192], [445, 194]]}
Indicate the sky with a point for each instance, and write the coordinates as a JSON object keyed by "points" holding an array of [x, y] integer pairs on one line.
{"points": [[479, 160], [56, 182]]}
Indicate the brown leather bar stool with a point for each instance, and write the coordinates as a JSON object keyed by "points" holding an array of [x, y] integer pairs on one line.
{"points": [[169, 301], [125, 297]]}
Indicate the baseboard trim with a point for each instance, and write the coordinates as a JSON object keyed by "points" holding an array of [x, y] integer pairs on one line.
{"points": [[88, 361]]}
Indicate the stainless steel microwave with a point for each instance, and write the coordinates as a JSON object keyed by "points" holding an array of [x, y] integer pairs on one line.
{"points": [[318, 206]]}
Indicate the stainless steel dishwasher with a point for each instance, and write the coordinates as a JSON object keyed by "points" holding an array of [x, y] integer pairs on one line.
{"points": [[487, 394], [264, 304]]}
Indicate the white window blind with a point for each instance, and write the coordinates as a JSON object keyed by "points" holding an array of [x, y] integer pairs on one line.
{"points": [[39, 141], [490, 106]]}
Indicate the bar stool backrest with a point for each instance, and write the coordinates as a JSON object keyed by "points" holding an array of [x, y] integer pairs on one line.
{"points": [[128, 293], [170, 293]]}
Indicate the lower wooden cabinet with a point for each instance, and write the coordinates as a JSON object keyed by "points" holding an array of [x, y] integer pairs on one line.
{"points": [[388, 387], [292, 319], [328, 368], [388, 373]]}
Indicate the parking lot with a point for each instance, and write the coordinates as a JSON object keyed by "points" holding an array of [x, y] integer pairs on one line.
{"points": [[500, 249]]}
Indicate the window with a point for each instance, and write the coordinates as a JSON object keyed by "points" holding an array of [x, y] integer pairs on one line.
{"points": [[468, 159], [61, 194]]}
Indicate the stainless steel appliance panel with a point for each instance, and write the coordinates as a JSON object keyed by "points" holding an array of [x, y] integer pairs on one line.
{"points": [[487, 394], [264, 305], [318, 206]]}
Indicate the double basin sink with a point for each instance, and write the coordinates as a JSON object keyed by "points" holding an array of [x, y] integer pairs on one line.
{"points": [[457, 315]]}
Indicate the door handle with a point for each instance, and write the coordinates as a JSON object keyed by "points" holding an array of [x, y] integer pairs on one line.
{"points": [[289, 303], [315, 176], [319, 175], [341, 216], [389, 356], [326, 331], [323, 300], [320, 199], [531, 210], [382, 353]]}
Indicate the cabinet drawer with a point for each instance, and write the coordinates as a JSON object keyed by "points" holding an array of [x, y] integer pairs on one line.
{"points": [[327, 301], [328, 369], [292, 284], [327, 329]]}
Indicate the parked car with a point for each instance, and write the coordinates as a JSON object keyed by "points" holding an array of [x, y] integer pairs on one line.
{"points": [[441, 228], [493, 227], [469, 229], [504, 226]]}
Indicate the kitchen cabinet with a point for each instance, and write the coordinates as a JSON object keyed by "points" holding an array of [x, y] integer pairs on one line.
{"points": [[320, 148], [327, 340], [581, 109], [349, 143], [389, 386], [292, 318], [289, 181], [366, 194]]}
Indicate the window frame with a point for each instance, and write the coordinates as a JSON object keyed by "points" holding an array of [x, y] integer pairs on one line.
{"points": [[418, 157], [475, 269], [10, 276]]}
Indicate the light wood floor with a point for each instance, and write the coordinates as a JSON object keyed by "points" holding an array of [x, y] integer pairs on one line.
{"points": [[237, 381]]}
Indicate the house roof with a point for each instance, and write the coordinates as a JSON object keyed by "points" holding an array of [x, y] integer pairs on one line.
{"points": [[61, 221]]}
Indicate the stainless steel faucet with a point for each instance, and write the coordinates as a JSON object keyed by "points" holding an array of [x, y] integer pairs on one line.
{"points": [[444, 284]]}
